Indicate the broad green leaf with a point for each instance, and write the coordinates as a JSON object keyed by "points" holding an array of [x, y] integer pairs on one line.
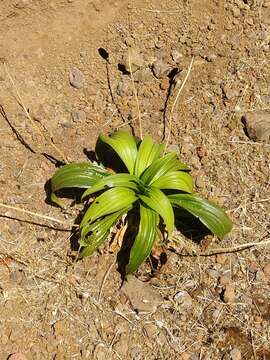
{"points": [[145, 238], [115, 180], [161, 167], [79, 175], [159, 202], [147, 153], [112, 200], [212, 216], [175, 180], [124, 145], [93, 235]]}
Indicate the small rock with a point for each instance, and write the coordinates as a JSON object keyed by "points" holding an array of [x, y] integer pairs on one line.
{"points": [[173, 148], [187, 145], [230, 91], [17, 356], [236, 11], [257, 125], [176, 55], [134, 59], [143, 75], [266, 270], [160, 69], [228, 295], [210, 57], [200, 181], [78, 115], [183, 299], [76, 78], [235, 354], [141, 295], [124, 88]]}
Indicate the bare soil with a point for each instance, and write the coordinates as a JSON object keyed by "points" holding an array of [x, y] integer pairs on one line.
{"points": [[194, 306]]}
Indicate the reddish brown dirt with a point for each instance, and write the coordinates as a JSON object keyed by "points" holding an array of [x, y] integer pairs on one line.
{"points": [[51, 306]]}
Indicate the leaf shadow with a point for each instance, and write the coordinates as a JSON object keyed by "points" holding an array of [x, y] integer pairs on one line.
{"points": [[190, 226]]}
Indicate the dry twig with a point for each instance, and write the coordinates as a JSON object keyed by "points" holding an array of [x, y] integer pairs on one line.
{"points": [[21, 103], [175, 102], [45, 217]]}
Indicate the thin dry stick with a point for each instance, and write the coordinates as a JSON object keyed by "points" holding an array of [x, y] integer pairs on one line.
{"points": [[104, 280], [45, 217], [136, 96], [231, 249], [175, 102], [20, 101]]}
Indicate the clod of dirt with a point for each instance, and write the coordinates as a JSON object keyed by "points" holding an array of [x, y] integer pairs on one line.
{"points": [[76, 78], [134, 59], [257, 125], [142, 297], [235, 354], [17, 356], [228, 294], [160, 69]]}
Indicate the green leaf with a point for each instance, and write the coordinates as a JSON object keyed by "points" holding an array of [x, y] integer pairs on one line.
{"points": [[147, 153], [212, 216], [159, 202], [115, 180], [112, 200], [78, 175], [161, 167], [99, 231], [144, 240], [175, 180], [124, 145]]}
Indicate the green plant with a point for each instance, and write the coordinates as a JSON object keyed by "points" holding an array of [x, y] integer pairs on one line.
{"points": [[150, 185]]}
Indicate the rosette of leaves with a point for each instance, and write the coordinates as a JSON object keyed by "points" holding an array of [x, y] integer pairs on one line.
{"points": [[148, 184]]}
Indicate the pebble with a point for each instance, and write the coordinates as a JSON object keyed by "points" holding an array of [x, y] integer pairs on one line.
{"points": [[78, 115], [76, 78], [228, 295], [160, 69], [258, 125], [183, 299], [134, 59], [235, 354], [266, 270], [230, 91], [143, 75], [142, 297], [176, 56]]}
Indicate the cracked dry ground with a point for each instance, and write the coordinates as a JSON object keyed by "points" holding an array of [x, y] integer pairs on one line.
{"points": [[194, 307]]}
